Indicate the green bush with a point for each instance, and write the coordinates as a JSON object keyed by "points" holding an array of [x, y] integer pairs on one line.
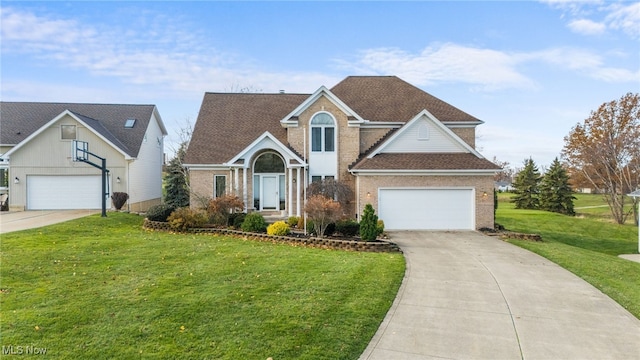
{"points": [[254, 222], [380, 227], [236, 219], [369, 224], [348, 227], [293, 221], [185, 218], [159, 212], [278, 228]]}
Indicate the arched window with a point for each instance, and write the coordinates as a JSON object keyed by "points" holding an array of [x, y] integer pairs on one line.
{"points": [[268, 163], [323, 133]]}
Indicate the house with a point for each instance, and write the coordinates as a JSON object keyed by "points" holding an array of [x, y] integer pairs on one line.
{"points": [[408, 153], [37, 170]]}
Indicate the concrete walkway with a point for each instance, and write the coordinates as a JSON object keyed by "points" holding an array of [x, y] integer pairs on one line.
{"points": [[22, 220], [470, 296]]}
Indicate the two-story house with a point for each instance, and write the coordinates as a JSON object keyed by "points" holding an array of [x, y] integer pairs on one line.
{"points": [[409, 154]]}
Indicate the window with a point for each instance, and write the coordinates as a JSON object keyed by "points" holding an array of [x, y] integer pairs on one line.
{"points": [[219, 185], [129, 123], [323, 134], [316, 179], [4, 177], [268, 163], [68, 132]]}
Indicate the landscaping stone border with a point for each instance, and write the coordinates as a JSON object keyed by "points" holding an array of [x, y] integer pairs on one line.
{"points": [[323, 243]]}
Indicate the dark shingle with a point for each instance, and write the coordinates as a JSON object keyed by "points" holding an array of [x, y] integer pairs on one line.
{"points": [[425, 161]]}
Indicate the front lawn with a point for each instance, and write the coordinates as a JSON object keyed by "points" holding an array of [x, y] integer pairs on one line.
{"points": [[587, 246], [103, 288]]}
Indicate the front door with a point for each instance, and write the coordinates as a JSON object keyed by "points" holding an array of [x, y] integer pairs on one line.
{"points": [[270, 194]]}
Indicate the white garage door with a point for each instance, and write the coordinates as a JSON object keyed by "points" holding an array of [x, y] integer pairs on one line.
{"points": [[64, 192], [427, 209]]}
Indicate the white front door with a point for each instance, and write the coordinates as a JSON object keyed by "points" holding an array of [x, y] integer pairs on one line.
{"points": [[270, 194]]}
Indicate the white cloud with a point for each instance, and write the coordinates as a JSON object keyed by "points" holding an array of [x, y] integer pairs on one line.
{"points": [[587, 27], [625, 18]]}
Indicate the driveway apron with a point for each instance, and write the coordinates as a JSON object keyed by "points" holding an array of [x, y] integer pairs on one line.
{"points": [[470, 296], [22, 220]]}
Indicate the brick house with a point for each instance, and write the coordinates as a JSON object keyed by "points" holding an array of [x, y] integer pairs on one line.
{"points": [[409, 154]]}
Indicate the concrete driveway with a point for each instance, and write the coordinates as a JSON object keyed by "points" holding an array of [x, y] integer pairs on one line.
{"points": [[22, 220], [470, 296]]}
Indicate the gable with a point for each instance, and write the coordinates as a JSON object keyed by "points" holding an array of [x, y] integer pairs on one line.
{"points": [[265, 142], [423, 136]]}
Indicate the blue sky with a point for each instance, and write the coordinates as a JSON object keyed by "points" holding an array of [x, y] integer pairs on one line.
{"points": [[530, 69]]}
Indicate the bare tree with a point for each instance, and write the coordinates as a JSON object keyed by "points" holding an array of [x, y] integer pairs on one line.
{"points": [[605, 149], [507, 172]]}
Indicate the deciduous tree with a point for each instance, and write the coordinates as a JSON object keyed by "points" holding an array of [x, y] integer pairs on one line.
{"points": [[605, 149], [322, 211]]}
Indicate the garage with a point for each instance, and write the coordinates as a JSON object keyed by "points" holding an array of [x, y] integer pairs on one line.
{"points": [[64, 192], [427, 209]]}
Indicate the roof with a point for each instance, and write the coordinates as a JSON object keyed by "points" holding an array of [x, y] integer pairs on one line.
{"points": [[389, 98], [18, 120], [424, 161], [229, 122]]}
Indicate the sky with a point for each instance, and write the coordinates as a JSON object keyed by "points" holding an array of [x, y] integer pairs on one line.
{"points": [[531, 70]]}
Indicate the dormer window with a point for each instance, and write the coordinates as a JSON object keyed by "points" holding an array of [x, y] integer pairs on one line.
{"points": [[129, 123], [323, 134]]}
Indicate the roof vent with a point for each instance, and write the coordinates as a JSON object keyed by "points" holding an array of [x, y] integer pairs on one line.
{"points": [[129, 123]]}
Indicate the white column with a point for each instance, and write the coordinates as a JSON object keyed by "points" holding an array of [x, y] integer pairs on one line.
{"points": [[244, 189], [290, 202], [235, 182], [298, 192]]}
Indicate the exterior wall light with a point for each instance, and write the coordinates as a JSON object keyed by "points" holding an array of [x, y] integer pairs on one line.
{"points": [[118, 179], [16, 180]]}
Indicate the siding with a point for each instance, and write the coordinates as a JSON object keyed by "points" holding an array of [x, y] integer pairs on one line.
{"points": [[409, 142], [145, 173]]}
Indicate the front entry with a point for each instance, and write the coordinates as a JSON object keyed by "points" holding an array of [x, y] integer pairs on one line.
{"points": [[270, 195], [269, 182]]}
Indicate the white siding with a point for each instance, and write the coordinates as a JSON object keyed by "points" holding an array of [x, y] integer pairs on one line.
{"points": [[145, 173], [412, 141]]}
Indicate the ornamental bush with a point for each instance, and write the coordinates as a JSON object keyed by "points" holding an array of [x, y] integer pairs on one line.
{"points": [[254, 222], [369, 224], [278, 228], [380, 227], [185, 218], [119, 199], [159, 212], [348, 227], [293, 221]]}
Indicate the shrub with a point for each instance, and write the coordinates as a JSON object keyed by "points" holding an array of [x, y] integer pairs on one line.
{"points": [[369, 224], [159, 212], [254, 222], [278, 228], [322, 211], [236, 219], [185, 218], [380, 227], [221, 208], [348, 227], [119, 199], [293, 221], [301, 223], [330, 229]]}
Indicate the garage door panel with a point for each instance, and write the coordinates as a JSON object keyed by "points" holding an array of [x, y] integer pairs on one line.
{"points": [[427, 209], [64, 192]]}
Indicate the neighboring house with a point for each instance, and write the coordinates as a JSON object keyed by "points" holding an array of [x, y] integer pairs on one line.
{"points": [[504, 186], [38, 172], [409, 154]]}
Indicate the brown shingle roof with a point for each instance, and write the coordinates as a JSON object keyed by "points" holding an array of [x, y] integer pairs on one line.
{"points": [[18, 120], [229, 122], [425, 161], [388, 98]]}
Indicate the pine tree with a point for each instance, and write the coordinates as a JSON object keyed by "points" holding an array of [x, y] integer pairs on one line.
{"points": [[176, 190], [526, 186], [555, 193], [368, 224]]}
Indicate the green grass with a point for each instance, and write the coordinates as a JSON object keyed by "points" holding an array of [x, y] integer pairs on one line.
{"points": [[587, 246], [103, 288]]}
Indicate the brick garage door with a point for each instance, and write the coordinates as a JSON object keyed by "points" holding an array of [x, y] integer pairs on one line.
{"points": [[427, 209]]}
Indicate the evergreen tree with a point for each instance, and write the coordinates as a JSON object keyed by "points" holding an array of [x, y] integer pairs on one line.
{"points": [[175, 179], [555, 193], [526, 186], [368, 224]]}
